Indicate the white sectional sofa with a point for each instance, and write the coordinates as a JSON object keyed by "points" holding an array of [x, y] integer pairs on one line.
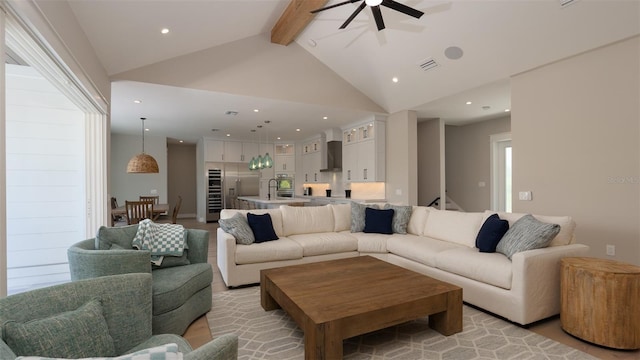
{"points": [[438, 243]]}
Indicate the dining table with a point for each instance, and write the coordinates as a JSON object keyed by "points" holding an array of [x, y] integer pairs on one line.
{"points": [[158, 209]]}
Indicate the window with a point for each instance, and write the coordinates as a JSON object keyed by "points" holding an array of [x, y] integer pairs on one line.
{"points": [[53, 171]]}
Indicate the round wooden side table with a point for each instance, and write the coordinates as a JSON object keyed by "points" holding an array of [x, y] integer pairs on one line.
{"points": [[600, 301]]}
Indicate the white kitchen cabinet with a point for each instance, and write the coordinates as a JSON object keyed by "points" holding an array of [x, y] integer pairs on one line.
{"points": [[363, 156], [236, 151], [213, 150], [232, 151], [311, 163], [284, 159], [249, 150]]}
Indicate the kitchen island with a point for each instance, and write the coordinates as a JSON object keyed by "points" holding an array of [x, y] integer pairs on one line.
{"points": [[264, 203]]}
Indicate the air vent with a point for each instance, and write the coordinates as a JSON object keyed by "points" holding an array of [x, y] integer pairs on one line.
{"points": [[233, 113], [565, 3], [428, 64]]}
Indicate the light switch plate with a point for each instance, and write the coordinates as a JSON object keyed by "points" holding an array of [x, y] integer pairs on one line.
{"points": [[524, 195]]}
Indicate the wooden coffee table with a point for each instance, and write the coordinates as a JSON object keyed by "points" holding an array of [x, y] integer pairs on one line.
{"points": [[338, 299]]}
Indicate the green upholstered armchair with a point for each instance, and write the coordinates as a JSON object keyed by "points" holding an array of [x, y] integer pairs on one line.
{"points": [[122, 322], [181, 286]]}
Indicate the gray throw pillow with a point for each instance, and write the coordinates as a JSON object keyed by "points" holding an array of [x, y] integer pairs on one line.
{"points": [[73, 334], [121, 235], [238, 226], [401, 216], [527, 233], [358, 216]]}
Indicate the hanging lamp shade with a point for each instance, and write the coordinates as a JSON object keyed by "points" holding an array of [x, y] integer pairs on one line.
{"points": [[252, 164], [142, 163], [260, 162], [267, 161]]}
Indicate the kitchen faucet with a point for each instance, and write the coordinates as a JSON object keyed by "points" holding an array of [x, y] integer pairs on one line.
{"points": [[269, 188]]}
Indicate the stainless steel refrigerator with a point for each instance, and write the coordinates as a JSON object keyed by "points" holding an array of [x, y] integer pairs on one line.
{"points": [[235, 180]]}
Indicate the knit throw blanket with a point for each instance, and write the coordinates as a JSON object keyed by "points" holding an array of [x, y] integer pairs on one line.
{"points": [[161, 239]]}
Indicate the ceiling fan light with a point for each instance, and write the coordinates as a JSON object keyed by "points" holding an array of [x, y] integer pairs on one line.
{"points": [[373, 2]]}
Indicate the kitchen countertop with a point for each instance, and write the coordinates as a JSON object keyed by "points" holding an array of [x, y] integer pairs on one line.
{"points": [[281, 201], [341, 198]]}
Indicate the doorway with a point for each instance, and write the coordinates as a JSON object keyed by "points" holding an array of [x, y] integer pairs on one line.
{"points": [[501, 162]]}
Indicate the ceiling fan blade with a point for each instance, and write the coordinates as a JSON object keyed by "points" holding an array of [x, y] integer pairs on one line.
{"points": [[353, 15], [402, 8], [377, 14], [334, 5]]}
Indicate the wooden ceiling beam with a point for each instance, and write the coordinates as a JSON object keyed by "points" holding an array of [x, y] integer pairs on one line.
{"points": [[294, 19]]}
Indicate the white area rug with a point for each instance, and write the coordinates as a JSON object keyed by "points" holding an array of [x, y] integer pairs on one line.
{"points": [[274, 335]]}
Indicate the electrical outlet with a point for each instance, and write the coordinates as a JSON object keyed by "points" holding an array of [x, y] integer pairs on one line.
{"points": [[611, 250]]}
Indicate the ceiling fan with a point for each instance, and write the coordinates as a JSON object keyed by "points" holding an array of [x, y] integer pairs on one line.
{"points": [[375, 9]]}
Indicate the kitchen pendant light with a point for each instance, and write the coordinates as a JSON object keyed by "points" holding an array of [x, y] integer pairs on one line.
{"points": [[142, 163], [268, 161]]}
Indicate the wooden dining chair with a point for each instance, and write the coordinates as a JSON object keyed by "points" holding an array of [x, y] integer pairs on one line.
{"points": [[114, 218], [176, 210], [138, 211], [153, 198]]}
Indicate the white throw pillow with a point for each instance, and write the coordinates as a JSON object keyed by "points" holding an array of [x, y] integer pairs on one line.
{"points": [[341, 216], [454, 226], [306, 219]]}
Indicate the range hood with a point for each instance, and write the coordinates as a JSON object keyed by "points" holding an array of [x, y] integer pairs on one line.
{"points": [[334, 157]]}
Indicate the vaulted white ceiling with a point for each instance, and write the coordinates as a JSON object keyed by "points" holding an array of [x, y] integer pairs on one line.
{"points": [[498, 39]]}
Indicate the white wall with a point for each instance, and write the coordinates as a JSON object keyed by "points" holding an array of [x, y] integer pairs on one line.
{"points": [[429, 160], [130, 186], [469, 162], [255, 67], [402, 158], [575, 128]]}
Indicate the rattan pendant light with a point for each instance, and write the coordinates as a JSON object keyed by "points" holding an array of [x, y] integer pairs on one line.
{"points": [[143, 163]]}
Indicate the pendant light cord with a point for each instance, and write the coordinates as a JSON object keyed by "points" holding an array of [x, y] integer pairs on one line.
{"points": [[143, 119]]}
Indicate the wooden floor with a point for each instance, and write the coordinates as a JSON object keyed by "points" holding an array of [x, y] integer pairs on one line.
{"points": [[198, 333]]}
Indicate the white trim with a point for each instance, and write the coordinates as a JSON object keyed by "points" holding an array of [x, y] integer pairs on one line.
{"points": [[3, 167], [495, 141], [443, 169]]}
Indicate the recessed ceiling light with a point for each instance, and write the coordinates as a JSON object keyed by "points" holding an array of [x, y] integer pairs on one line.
{"points": [[137, 101], [298, 130], [507, 110], [164, 31], [279, 138], [469, 103], [256, 110], [394, 79], [325, 117], [312, 43], [180, 141], [228, 134], [146, 129]]}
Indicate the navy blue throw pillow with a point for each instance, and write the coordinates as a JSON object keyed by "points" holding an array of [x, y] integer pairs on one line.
{"points": [[490, 233], [378, 221], [262, 227]]}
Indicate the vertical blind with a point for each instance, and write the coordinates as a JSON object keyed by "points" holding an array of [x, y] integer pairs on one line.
{"points": [[45, 175]]}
